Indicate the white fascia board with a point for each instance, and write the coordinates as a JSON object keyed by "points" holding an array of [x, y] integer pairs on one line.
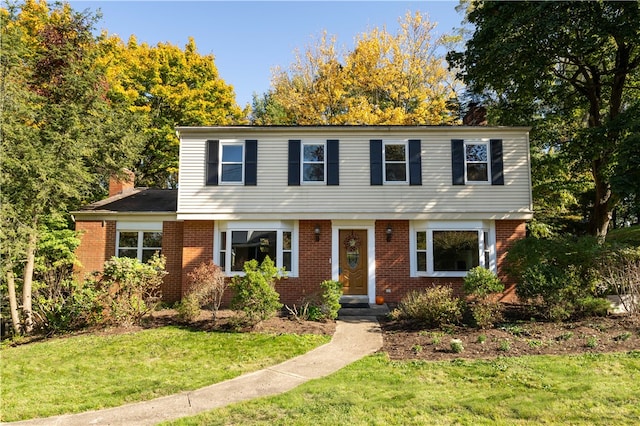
{"points": [[521, 215], [119, 216]]}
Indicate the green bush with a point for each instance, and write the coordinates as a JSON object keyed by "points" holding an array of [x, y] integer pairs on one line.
{"points": [[481, 282], [74, 307], [331, 294], [431, 307], [189, 308], [255, 294], [486, 313], [129, 289]]}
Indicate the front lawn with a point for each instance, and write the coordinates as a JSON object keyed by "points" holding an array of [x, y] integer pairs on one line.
{"points": [[75, 374], [584, 389]]}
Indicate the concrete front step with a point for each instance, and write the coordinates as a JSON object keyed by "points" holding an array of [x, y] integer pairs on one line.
{"points": [[367, 310]]}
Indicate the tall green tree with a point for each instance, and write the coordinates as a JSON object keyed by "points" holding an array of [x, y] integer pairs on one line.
{"points": [[574, 60], [170, 86], [62, 136]]}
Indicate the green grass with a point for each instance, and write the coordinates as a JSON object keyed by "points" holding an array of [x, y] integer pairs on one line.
{"points": [[76, 374], [588, 389], [629, 235]]}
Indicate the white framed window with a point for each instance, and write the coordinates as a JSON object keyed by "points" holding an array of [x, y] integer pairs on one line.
{"points": [[450, 249], [313, 163], [231, 165], [476, 162], [395, 162], [239, 242], [141, 245]]}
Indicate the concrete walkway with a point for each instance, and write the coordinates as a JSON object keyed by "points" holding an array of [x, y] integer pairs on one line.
{"points": [[354, 338]]}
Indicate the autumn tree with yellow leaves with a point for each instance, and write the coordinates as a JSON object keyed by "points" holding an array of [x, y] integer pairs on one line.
{"points": [[386, 79]]}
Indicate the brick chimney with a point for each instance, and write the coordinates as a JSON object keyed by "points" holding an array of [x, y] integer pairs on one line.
{"points": [[121, 184], [475, 116]]}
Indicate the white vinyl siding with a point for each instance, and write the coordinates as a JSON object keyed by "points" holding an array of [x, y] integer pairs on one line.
{"points": [[355, 198]]}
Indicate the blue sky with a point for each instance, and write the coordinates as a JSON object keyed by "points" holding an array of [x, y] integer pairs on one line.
{"points": [[249, 38]]}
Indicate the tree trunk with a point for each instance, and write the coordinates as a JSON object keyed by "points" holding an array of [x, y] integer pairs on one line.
{"points": [[13, 302], [603, 203], [27, 283]]}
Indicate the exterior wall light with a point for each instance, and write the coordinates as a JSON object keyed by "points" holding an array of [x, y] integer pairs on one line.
{"points": [[316, 231], [389, 232]]}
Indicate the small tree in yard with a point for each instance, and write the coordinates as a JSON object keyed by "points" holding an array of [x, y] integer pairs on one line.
{"points": [[130, 289], [207, 286], [255, 294]]}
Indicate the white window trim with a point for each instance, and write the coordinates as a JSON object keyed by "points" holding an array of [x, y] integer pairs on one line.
{"points": [[406, 163], [302, 163], [478, 142], [278, 226], [224, 143], [429, 226]]}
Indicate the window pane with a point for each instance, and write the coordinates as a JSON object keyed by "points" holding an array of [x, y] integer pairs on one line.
{"points": [[223, 260], [251, 245], [286, 261], [394, 153], [396, 172], [148, 254], [152, 239], [477, 172], [232, 172], [422, 261], [313, 172], [286, 240], [455, 250], [313, 153], [476, 152], [223, 241], [421, 240], [232, 153], [128, 239], [128, 253]]}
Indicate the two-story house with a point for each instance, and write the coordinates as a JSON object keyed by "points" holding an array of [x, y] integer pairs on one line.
{"points": [[383, 209]]}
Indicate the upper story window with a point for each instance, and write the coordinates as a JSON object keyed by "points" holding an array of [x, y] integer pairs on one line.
{"points": [[395, 162], [476, 160], [141, 245], [313, 162], [232, 162]]}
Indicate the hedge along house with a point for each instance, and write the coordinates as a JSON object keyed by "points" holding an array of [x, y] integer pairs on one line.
{"points": [[383, 209]]}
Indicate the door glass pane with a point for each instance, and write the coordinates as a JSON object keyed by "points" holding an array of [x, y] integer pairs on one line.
{"points": [[455, 250]]}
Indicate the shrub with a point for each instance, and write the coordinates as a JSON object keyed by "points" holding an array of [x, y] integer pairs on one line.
{"points": [[621, 275], [432, 307], [456, 346], [255, 294], [189, 308], [480, 283], [74, 307], [331, 294], [207, 284], [590, 306], [129, 289]]}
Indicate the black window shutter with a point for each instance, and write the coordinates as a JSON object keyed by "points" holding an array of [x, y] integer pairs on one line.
{"points": [[375, 161], [415, 162], [294, 162], [251, 163], [333, 162], [457, 161], [497, 174], [213, 147]]}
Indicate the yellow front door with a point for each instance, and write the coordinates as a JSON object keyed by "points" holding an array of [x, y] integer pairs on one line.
{"points": [[353, 261]]}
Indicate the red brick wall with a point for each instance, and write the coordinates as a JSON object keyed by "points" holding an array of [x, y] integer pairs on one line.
{"points": [[197, 243], [172, 250], [507, 233], [314, 263], [97, 244]]}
